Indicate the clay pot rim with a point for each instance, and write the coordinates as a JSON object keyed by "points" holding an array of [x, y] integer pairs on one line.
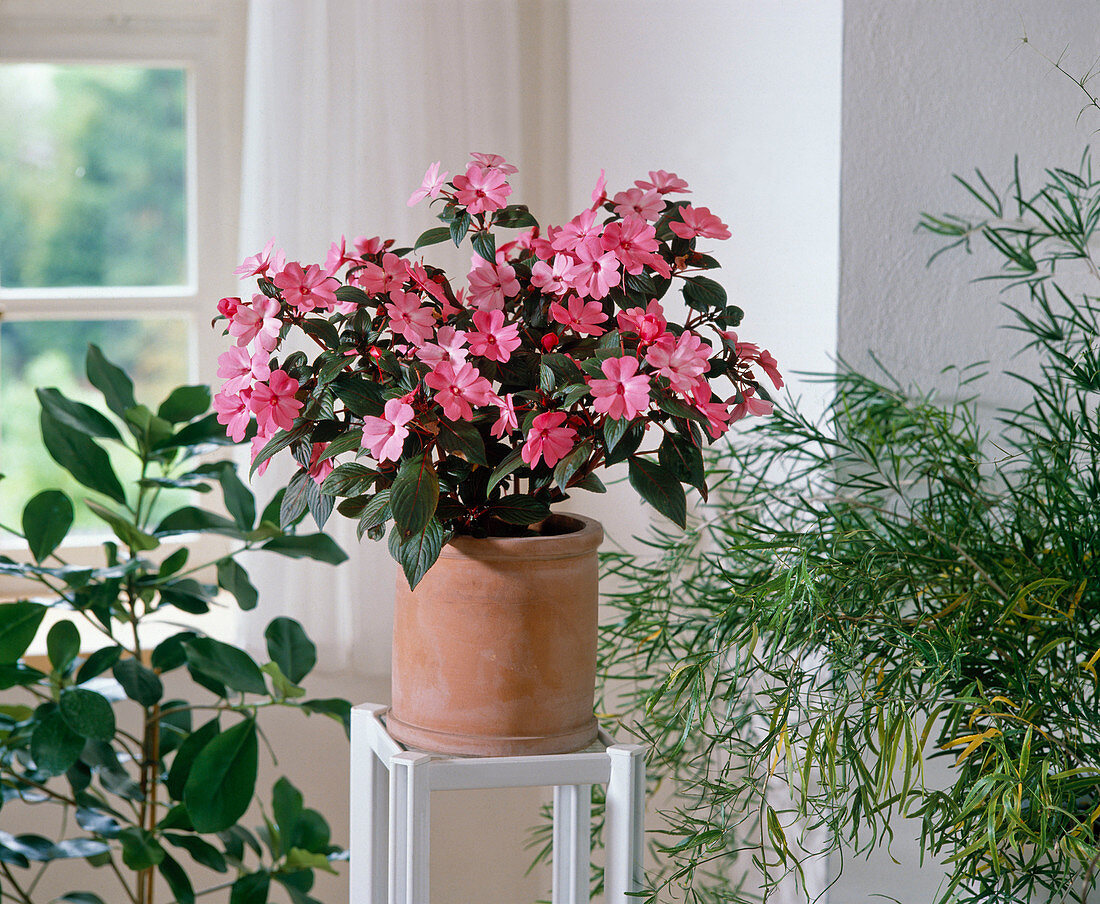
{"points": [[586, 537]]}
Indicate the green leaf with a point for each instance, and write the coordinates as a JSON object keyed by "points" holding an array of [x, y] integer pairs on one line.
{"points": [[290, 648], [613, 430], [375, 513], [351, 441], [239, 501], [18, 624], [192, 745], [657, 486], [176, 877], [295, 499], [87, 713], [189, 519], [202, 852], [519, 509], [173, 563], [414, 495], [335, 707], [417, 553], [88, 462], [280, 441], [282, 688], [81, 897], [117, 388], [233, 578], [251, 888], [319, 547], [573, 462], [514, 216], [463, 438], [203, 432], [185, 403], [97, 663], [322, 330], [460, 225], [350, 479], [286, 804], [140, 850], [77, 415], [223, 779], [485, 246], [300, 859], [47, 518], [225, 664], [54, 745], [188, 595], [135, 539], [592, 483], [138, 682], [683, 459], [511, 462], [703, 294], [432, 237], [62, 645]]}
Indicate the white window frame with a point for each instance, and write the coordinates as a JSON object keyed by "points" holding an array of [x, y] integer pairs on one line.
{"points": [[207, 39]]}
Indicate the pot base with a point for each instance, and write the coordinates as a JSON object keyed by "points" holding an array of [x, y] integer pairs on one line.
{"points": [[477, 745]]}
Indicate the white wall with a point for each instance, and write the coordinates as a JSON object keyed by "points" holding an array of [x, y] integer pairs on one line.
{"points": [[931, 88]]}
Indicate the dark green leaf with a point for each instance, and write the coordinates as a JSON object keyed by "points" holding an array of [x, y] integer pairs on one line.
{"points": [[140, 850], [319, 547], [485, 246], [12, 675], [432, 237], [134, 538], [192, 520], [463, 438], [185, 403], [169, 654], [206, 431], [573, 462], [234, 578], [82, 457], [77, 415], [117, 388], [322, 330], [353, 294], [280, 441], [703, 294], [514, 216], [659, 488], [72, 848], [177, 880], [290, 648], [81, 897], [460, 225], [519, 509], [239, 501], [286, 804], [87, 713], [18, 624], [613, 430], [350, 479], [97, 663], [225, 664], [414, 495], [683, 459], [331, 706], [185, 757], [54, 745], [592, 483], [188, 595], [375, 512], [223, 779], [47, 518], [138, 682], [295, 501], [202, 852], [97, 822], [511, 462], [173, 563], [62, 645], [417, 553], [251, 888]]}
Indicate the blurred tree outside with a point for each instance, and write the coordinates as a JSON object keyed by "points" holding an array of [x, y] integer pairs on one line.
{"points": [[93, 173]]}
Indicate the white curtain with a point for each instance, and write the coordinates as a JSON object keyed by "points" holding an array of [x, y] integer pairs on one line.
{"points": [[347, 102]]}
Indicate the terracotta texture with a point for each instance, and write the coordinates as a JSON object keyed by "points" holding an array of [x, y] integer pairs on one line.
{"points": [[494, 653]]}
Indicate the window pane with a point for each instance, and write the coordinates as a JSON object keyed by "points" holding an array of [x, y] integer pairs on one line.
{"points": [[92, 176], [51, 353]]}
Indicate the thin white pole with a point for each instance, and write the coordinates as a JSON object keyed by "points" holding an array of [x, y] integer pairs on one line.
{"points": [[572, 846], [624, 823]]}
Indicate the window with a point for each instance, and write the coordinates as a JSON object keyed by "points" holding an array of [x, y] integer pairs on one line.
{"points": [[120, 141]]}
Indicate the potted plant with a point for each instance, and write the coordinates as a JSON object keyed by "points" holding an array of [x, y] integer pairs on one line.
{"points": [[455, 417], [149, 749]]}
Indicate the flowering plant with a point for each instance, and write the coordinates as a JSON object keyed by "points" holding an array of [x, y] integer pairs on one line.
{"points": [[472, 409]]}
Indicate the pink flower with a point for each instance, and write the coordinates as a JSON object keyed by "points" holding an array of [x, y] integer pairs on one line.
{"points": [[549, 278], [599, 193], [384, 436], [258, 320], [749, 405], [625, 392], [493, 340], [376, 280], [457, 388], [490, 284], [716, 413], [548, 439], [372, 246], [261, 263], [338, 256], [227, 307], [240, 369], [494, 162], [681, 361], [318, 469], [770, 366], [273, 402], [431, 186], [699, 221], [576, 232], [306, 289], [418, 273], [447, 347], [649, 324], [233, 412], [507, 422], [581, 317], [633, 241], [663, 183], [409, 319], [595, 273], [482, 189], [258, 442], [646, 204]]}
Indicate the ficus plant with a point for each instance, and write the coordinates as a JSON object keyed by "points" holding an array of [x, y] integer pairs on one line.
{"points": [[149, 752]]}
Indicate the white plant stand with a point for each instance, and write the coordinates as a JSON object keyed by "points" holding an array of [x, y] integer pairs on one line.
{"points": [[390, 811]]}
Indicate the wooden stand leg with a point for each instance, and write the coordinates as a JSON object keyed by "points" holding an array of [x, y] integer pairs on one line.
{"points": [[623, 823], [572, 848], [410, 819]]}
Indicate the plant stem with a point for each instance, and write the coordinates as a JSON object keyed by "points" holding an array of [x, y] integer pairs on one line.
{"points": [[22, 895]]}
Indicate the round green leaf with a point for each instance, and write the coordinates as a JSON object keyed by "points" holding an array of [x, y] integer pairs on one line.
{"points": [[87, 713], [46, 521], [18, 624], [290, 648], [141, 684], [63, 644], [54, 745], [225, 664], [223, 779]]}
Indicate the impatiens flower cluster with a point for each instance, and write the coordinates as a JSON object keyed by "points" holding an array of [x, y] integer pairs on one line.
{"points": [[431, 407]]}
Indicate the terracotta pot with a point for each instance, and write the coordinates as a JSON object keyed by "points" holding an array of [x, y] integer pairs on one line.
{"points": [[494, 652]]}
